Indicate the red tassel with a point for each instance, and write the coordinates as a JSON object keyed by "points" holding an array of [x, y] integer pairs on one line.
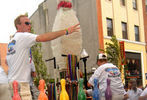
{"points": [[64, 4]]}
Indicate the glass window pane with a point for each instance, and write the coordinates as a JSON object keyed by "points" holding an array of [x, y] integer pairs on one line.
{"points": [[136, 33], [109, 27], [124, 30], [135, 4], [122, 2]]}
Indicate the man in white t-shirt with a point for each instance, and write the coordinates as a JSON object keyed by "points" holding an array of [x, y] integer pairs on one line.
{"points": [[102, 73], [20, 44], [143, 95]]}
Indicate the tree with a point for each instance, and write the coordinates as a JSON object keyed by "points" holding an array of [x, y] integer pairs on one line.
{"points": [[40, 66], [113, 51]]}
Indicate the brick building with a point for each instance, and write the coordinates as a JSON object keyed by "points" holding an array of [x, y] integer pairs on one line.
{"points": [[3, 50]]}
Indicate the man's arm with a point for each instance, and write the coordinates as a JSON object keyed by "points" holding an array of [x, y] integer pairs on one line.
{"points": [[89, 85], [53, 35], [143, 97], [126, 97]]}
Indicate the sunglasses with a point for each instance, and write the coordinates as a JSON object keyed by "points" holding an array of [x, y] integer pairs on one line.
{"points": [[27, 23]]}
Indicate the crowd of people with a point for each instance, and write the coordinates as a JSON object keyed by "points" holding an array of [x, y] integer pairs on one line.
{"points": [[22, 70], [106, 71]]}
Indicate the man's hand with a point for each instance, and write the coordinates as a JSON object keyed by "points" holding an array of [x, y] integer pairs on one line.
{"points": [[73, 28]]}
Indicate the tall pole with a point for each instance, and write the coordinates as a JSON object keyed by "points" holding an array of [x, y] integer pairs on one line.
{"points": [[85, 80], [85, 71]]}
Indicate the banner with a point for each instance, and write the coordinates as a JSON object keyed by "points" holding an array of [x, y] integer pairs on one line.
{"points": [[122, 53]]}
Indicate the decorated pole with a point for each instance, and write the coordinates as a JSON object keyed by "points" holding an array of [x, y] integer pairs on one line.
{"points": [[70, 45], [16, 95], [63, 94], [42, 95], [123, 60], [81, 93], [67, 44], [108, 92], [95, 92]]}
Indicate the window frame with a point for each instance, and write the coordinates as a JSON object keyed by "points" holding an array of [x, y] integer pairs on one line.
{"points": [[134, 4], [137, 37], [109, 29], [124, 32], [123, 2]]}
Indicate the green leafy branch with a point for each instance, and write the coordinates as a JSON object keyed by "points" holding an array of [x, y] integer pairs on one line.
{"points": [[40, 66]]}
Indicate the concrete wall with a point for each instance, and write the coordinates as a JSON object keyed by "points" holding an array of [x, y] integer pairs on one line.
{"points": [[43, 20]]}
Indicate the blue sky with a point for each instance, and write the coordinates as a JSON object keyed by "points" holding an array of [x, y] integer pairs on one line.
{"points": [[9, 10]]}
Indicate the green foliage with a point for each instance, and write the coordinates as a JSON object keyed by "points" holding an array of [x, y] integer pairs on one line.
{"points": [[113, 51], [40, 66]]}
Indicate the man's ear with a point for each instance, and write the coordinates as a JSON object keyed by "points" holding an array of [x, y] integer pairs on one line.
{"points": [[17, 26]]}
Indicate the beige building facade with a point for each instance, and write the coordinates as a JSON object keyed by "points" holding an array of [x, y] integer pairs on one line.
{"points": [[124, 19]]}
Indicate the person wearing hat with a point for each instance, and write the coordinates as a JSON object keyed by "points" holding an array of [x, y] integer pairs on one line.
{"points": [[102, 73]]}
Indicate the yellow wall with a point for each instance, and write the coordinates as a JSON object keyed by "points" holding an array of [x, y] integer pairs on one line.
{"points": [[113, 9]]}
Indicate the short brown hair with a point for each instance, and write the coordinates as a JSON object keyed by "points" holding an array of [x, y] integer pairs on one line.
{"points": [[17, 20]]}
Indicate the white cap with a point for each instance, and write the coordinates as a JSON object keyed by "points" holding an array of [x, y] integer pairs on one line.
{"points": [[93, 69], [101, 56]]}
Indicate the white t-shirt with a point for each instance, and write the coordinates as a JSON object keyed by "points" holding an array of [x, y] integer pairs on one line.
{"points": [[144, 93], [110, 71], [3, 76], [18, 57], [134, 95]]}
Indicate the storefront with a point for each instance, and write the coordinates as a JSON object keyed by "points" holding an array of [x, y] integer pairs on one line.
{"points": [[133, 68]]}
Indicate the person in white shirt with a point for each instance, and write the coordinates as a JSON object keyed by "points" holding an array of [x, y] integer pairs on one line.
{"points": [[20, 44], [133, 92], [102, 73], [143, 95]]}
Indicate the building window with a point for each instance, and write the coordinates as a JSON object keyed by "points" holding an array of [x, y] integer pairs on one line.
{"points": [[109, 0], [146, 5], [135, 4], [122, 2], [124, 30], [136, 28], [109, 27]]}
